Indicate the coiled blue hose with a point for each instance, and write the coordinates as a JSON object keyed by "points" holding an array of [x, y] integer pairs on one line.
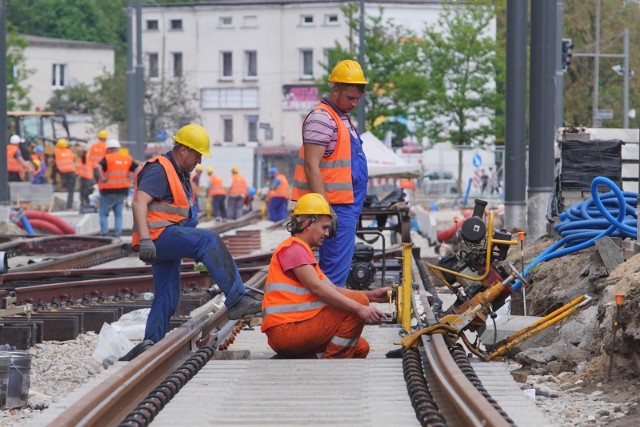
{"points": [[609, 214]]}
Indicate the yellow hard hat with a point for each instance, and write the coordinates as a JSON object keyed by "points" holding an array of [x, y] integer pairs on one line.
{"points": [[62, 143], [312, 204], [195, 137], [102, 134], [348, 71], [198, 168], [234, 170], [209, 170]]}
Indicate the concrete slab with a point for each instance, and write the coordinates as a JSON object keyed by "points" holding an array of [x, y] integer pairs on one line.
{"points": [[508, 325]]}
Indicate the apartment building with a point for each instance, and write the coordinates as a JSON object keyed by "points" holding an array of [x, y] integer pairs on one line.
{"points": [[253, 63]]}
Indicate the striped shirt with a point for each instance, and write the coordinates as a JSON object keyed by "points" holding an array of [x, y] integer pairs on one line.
{"points": [[319, 128]]}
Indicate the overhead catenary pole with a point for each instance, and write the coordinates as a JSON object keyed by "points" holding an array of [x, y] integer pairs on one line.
{"points": [[5, 198], [596, 70], [559, 71], [515, 182], [626, 78], [361, 105], [139, 73], [130, 79], [541, 116]]}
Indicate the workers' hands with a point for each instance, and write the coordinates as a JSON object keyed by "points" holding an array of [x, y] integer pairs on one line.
{"points": [[379, 295], [371, 315], [147, 250], [333, 230]]}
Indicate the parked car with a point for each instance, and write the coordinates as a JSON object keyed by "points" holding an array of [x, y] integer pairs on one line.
{"points": [[442, 182]]}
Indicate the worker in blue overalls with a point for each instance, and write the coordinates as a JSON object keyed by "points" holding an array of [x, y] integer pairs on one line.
{"points": [[165, 217], [331, 162]]}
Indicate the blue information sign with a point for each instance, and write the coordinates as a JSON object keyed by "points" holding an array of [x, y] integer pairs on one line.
{"points": [[477, 160]]}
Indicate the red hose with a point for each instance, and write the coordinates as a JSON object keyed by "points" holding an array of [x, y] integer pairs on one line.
{"points": [[41, 224], [448, 233], [61, 224]]}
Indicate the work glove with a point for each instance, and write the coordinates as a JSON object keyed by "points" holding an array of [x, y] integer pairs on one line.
{"points": [[147, 250], [333, 230]]}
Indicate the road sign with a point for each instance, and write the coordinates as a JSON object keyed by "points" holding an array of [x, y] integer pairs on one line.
{"points": [[604, 114], [477, 161]]}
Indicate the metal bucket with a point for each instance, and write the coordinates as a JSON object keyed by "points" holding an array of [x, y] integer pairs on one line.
{"points": [[19, 379], [5, 362]]}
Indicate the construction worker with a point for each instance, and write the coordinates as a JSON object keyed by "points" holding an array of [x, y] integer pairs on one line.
{"points": [[40, 165], [98, 148], [331, 162], [237, 193], [84, 169], [16, 164], [218, 195], [64, 165], [195, 184], [114, 180], [305, 315], [278, 196], [165, 221]]}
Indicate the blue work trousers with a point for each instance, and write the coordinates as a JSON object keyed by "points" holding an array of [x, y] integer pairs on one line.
{"points": [[111, 202], [177, 242], [336, 252], [219, 207], [278, 208], [235, 206]]}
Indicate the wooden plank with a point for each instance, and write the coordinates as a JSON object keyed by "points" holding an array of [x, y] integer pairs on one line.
{"points": [[610, 252]]}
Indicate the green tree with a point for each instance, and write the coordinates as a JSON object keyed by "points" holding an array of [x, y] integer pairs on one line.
{"points": [[17, 94], [460, 56], [78, 99], [169, 105]]}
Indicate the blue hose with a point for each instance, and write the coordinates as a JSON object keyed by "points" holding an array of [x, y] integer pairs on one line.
{"points": [[610, 214], [27, 225]]}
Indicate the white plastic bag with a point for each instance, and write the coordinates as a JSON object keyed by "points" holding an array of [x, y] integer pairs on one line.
{"points": [[111, 344], [132, 324]]}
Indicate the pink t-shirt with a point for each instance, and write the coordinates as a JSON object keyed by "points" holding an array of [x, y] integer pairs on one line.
{"points": [[320, 128], [294, 256]]}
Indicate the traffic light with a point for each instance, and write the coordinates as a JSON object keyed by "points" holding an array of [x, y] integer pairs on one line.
{"points": [[567, 45]]}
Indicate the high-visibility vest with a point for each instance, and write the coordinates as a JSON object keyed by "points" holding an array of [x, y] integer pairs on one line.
{"points": [[287, 300], [117, 175], [160, 215], [84, 169], [238, 185], [217, 187], [407, 183], [282, 190], [97, 151], [64, 160], [335, 169], [13, 164]]}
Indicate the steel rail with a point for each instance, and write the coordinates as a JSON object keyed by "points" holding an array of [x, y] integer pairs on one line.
{"points": [[112, 400]]}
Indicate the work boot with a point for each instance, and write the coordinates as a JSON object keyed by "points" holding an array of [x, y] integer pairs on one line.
{"points": [[136, 351], [246, 307]]}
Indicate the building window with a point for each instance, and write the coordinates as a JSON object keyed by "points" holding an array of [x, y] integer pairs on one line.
{"points": [[58, 75], [307, 63], [250, 21], [227, 65], [226, 21], [229, 98], [176, 24], [153, 65], [227, 125], [252, 128], [152, 25], [251, 56], [177, 64], [331, 19], [306, 20]]}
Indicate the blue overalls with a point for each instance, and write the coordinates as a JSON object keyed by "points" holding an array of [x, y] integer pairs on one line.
{"points": [[336, 252], [186, 241]]}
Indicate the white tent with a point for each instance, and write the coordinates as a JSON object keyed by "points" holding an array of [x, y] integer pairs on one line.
{"points": [[383, 162]]}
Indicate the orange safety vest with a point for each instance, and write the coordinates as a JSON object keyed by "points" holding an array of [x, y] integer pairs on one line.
{"points": [[335, 169], [282, 190], [13, 164], [407, 183], [97, 151], [64, 160], [217, 187], [84, 169], [238, 185], [117, 174], [160, 215], [287, 300]]}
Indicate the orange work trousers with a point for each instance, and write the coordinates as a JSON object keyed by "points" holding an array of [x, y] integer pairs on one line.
{"points": [[331, 334]]}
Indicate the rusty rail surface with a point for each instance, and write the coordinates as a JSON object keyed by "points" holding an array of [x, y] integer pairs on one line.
{"points": [[111, 401]]}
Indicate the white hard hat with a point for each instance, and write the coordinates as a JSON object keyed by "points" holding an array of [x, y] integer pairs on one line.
{"points": [[113, 143], [15, 139]]}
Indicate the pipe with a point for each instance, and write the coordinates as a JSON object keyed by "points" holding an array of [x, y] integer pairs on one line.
{"points": [[49, 227], [45, 216]]}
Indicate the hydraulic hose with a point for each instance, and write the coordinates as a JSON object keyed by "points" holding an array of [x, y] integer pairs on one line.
{"points": [[609, 214]]}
